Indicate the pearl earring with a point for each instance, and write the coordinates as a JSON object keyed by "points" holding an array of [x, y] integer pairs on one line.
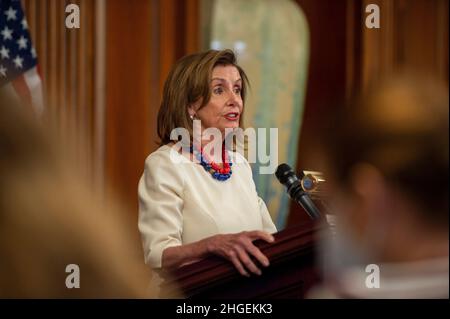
{"points": [[191, 116]]}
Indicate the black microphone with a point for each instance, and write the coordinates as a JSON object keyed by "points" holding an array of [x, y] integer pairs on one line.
{"points": [[288, 178]]}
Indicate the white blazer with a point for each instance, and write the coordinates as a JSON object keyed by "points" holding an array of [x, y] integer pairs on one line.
{"points": [[180, 203]]}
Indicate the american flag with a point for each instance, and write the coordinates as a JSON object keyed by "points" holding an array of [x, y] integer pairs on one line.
{"points": [[18, 61]]}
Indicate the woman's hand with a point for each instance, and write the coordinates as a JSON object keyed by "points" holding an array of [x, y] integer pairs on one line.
{"points": [[238, 248]]}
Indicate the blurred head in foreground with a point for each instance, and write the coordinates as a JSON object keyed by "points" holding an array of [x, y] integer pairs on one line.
{"points": [[387, 162], [50, 218]]}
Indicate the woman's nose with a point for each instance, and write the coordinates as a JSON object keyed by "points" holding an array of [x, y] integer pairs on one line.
{"points": [[233, 98]]}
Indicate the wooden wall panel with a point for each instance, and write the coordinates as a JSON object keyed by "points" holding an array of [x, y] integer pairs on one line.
{"points": [[144, 39], [413, 35], [326, 84], [378, 45], [347, 57], [423, 45], [66, 63], [128, 96], [167, 38], [179, 32]]}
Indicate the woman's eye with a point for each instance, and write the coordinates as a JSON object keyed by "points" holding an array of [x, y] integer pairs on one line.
{"points": [[237, 90], [218, 90]]}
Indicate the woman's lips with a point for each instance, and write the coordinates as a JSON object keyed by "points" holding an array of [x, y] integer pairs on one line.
{"points": [[232, 116]]}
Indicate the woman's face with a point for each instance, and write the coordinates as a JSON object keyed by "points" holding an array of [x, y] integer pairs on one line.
{"points": [[225, 105]]}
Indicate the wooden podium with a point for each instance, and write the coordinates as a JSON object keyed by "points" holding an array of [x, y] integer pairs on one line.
{"points": [[291, 273]]}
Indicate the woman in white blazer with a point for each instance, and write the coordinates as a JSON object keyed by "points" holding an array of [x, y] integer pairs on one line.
{"points": [[191, 206]]}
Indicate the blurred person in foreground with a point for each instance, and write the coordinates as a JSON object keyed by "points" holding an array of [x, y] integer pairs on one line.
{"points": [[386, 158], [51, 218]]}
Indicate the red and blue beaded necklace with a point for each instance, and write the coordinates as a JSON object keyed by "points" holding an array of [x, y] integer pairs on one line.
{"points": [[217, 172]]}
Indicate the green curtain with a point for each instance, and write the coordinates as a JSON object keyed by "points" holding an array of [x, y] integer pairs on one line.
{"points": [[271, 39]]}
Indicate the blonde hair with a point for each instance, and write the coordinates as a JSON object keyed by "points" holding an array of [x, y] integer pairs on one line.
{"points": [[50, 218], [189, 82]]}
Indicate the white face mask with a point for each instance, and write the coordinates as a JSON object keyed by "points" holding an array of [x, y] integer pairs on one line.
{"points": [[340, 250]]}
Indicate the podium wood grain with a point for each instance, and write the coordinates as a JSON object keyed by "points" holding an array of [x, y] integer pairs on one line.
{"points": [[291, 273]]}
